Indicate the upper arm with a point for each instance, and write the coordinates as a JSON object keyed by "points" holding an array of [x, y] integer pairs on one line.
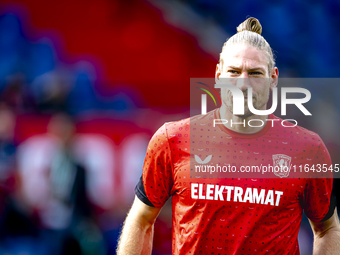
{"points": [[321, 228], [155, 186], [142, 213]]}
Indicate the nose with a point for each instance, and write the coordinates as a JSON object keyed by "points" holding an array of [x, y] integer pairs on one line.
{"points": [[243, 81]]}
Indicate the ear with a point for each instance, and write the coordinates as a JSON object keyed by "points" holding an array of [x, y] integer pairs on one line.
{"points": [[274, 77], [218, 72]]}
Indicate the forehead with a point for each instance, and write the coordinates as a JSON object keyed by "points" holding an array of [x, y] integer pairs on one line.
{"points": [[244, 56]]}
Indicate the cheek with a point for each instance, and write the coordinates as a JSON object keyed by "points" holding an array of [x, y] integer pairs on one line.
{"points": [[264, 94], [262, 88], [224, 93]]}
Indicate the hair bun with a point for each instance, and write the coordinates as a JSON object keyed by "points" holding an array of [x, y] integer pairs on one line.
{"points": [[250, 24]]}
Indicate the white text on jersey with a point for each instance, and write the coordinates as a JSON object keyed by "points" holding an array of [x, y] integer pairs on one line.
{"points": [[235, 194]]}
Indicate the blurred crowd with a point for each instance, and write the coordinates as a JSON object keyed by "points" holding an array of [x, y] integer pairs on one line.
{"points": [[71, 157], [66, 174], [64, 192]]}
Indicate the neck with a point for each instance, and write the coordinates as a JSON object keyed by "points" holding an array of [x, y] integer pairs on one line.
{"points": [[241, 124]]}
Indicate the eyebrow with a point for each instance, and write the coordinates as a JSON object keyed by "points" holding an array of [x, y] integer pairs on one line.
{"points": [[252, 69]]}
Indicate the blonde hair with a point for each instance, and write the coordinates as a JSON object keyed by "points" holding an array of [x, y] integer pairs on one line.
{"points": [[249, 33]]}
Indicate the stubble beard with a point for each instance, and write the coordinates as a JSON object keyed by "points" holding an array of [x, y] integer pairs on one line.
{"points": [[247, 112]]}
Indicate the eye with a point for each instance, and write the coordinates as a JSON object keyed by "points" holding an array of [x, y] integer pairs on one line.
{"points": [[255, 73], [233, 71]]}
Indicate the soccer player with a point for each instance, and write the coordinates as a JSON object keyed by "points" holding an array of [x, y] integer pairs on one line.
{"points": [[234, 215]]}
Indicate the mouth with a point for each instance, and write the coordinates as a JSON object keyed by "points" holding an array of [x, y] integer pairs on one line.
{"points": [[246, 98]]}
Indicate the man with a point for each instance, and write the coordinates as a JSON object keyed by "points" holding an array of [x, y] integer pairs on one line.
{"points": [[225, 214]]}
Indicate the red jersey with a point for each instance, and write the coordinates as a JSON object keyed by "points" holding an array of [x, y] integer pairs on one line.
{"points": [[224, 214]]}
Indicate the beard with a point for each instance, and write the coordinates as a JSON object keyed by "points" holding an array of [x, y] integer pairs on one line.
{"points": [[247, 113]]}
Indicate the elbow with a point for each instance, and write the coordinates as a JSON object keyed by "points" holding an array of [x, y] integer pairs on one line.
{"points": [[147, 222], [334, 231]]}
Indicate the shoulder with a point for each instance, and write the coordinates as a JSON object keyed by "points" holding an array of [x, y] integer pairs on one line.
{"points": [[297, 133], [182, 127], [176, 134]]}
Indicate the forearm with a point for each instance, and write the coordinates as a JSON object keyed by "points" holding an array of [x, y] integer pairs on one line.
{"points": [[328, 243], [136, 239], [148, 242]]}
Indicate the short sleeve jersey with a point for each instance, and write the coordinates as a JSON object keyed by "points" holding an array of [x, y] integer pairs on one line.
{"points": [[235, 215]]}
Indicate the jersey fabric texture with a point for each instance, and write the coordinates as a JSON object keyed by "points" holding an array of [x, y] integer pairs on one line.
{"points": [[234, 215]]}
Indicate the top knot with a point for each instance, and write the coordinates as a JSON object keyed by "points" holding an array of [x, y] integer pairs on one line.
{"points": [[250, 24]]}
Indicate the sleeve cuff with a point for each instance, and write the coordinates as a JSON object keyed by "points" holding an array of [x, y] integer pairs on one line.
{"points": [[332, 205], [140, 193]]}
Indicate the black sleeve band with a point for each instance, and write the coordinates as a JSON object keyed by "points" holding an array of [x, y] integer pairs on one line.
{"points": [[140, 193], [332, 205]]}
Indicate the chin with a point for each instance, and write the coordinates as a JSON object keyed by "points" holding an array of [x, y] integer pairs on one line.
{"points": [[244, 116]]}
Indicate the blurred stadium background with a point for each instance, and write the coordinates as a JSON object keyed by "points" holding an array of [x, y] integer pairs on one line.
{"points": [[84, 85]]}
